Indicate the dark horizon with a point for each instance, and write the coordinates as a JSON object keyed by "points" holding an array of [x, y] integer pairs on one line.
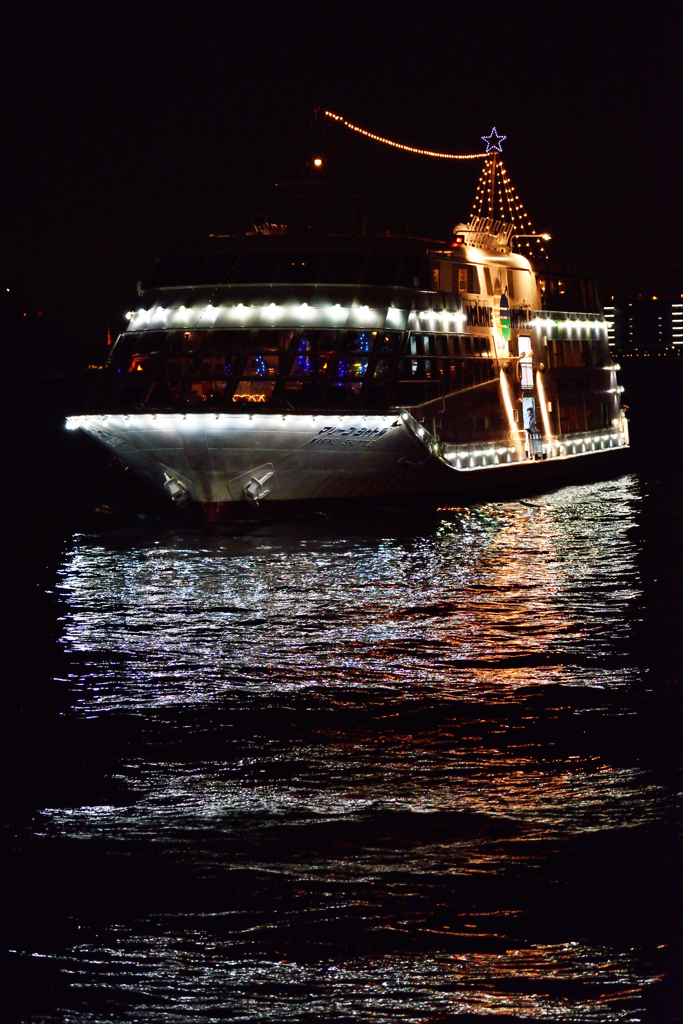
{"points": [[124, 130]]}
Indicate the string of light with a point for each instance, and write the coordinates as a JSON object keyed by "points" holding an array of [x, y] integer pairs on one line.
{"points": [[399, 145], [494, 188], [498, 194]]}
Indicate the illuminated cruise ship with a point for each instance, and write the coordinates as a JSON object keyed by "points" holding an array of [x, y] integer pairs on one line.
{"points": [[284, 367]]}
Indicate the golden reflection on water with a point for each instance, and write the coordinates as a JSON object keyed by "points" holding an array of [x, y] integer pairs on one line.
{"points": [[368, 716]]}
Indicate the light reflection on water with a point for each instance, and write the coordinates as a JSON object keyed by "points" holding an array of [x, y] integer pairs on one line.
{"points": [[369, 715], [399, 987], [503, 585]]}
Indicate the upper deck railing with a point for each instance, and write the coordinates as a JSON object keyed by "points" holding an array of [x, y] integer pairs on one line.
{"points": [[555, 316]]}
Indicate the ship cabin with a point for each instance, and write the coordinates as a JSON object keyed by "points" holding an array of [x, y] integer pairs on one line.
{"points": [[269, 322]]}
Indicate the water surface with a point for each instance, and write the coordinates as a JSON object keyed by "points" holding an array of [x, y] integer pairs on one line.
{"points": [[395, 767]]}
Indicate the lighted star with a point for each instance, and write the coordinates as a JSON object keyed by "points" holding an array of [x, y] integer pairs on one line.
{"points": [[493, 141]]}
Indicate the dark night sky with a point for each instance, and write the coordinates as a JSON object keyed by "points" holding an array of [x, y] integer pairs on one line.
{"points": [[125, 126]]}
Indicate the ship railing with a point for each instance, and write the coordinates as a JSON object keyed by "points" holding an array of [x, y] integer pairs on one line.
{"points": [[523, 445], [584, 441], [485, 453], [559, 315], [558, 320]]}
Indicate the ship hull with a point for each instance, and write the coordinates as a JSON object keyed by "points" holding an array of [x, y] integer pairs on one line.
{"points": [[229, 462]]}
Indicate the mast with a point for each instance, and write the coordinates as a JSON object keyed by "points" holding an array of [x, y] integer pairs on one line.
{"points": [[492, 187]]}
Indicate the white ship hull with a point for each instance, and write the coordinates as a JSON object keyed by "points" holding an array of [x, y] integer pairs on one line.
{"points": [[242, 459]]}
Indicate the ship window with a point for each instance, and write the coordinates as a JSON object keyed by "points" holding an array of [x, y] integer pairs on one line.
{"points": [[177, 354], [216, 366], [313, 353], [353, 361], [226, 341], [487, 281], [248, 391], [193, 269], [137, 354], [414, 272], [388, 348], [473, 285], [435, 277], [172, 272], [351, 367], [272, 341], [220, 267], [389, 343], [422, 345], [462, 279], [205, 268], [222, 353], [262, 365], [344, 267], [359, 341], [257, 267], [207, 391], [127, 346], [187, 342], [446, 277], [511, 285], [297, 267], [419, 381], [381, 269], [152, 341], [585, 353]]}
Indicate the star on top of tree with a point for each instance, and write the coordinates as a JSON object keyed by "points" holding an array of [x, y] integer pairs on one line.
{"points": [[493, 141]]}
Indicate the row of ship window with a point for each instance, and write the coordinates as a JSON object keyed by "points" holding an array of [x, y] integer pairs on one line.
{"points": [[349, 268], [408, 270], [558, 291], [449, 277], [574, 352], [308, 368]]}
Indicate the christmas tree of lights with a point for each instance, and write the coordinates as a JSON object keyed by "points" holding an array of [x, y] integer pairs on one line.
{"points": [[496, 199]]}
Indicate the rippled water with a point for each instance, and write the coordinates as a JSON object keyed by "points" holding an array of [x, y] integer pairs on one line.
{"points": [[396, 768]]}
